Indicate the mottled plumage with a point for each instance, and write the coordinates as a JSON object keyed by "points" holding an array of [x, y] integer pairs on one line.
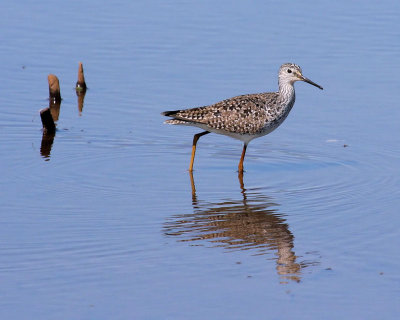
{"points": [[244, 114], [247, 116]]}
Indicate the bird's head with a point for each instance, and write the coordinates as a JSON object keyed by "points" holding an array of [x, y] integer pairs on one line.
{"points": [[290, 73]]}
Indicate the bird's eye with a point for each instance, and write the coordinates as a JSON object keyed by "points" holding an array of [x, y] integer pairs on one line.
{"points": [[289, 71]]}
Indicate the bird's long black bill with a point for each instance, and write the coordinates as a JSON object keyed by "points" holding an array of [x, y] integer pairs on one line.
{"points": [[313, 83]]}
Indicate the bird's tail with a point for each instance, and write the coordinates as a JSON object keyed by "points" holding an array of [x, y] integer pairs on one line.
{"points": [[169, 113], [173, 114]]}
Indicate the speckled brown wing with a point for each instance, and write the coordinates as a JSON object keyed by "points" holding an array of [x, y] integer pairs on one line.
{"points": [[245, 114]]}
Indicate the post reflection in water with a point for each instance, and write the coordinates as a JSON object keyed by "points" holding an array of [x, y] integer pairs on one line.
{"points": [[48, 137], [81, 98], [47, 143], [251, 223]]}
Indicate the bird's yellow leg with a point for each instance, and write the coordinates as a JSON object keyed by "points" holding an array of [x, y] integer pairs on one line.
{"points": [[196, 138], [242, 158]]}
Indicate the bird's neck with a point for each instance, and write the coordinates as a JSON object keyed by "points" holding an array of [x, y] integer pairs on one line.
{"points": [[286, 92]]}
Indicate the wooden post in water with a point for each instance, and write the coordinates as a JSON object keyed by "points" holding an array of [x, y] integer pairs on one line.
{"points": [[80, 88], [50, 115], [80, 84], [54, 88], [54, 96], [47, 121]]}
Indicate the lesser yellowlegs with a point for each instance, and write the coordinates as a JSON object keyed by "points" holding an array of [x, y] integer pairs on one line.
{"points": [[244, 117]]}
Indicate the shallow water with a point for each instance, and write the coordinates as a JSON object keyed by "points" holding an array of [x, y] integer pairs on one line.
{"points": [[103, 220]]}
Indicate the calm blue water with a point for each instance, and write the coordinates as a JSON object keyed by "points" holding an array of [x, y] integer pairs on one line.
{"points": [[105, 222]]}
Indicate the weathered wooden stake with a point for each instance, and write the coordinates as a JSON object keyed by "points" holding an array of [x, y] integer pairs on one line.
{"points": [[47, 121], [54, 88], [80, 84]]}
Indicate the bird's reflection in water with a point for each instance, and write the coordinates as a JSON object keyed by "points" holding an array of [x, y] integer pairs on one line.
{"points": [[251, 223]]}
